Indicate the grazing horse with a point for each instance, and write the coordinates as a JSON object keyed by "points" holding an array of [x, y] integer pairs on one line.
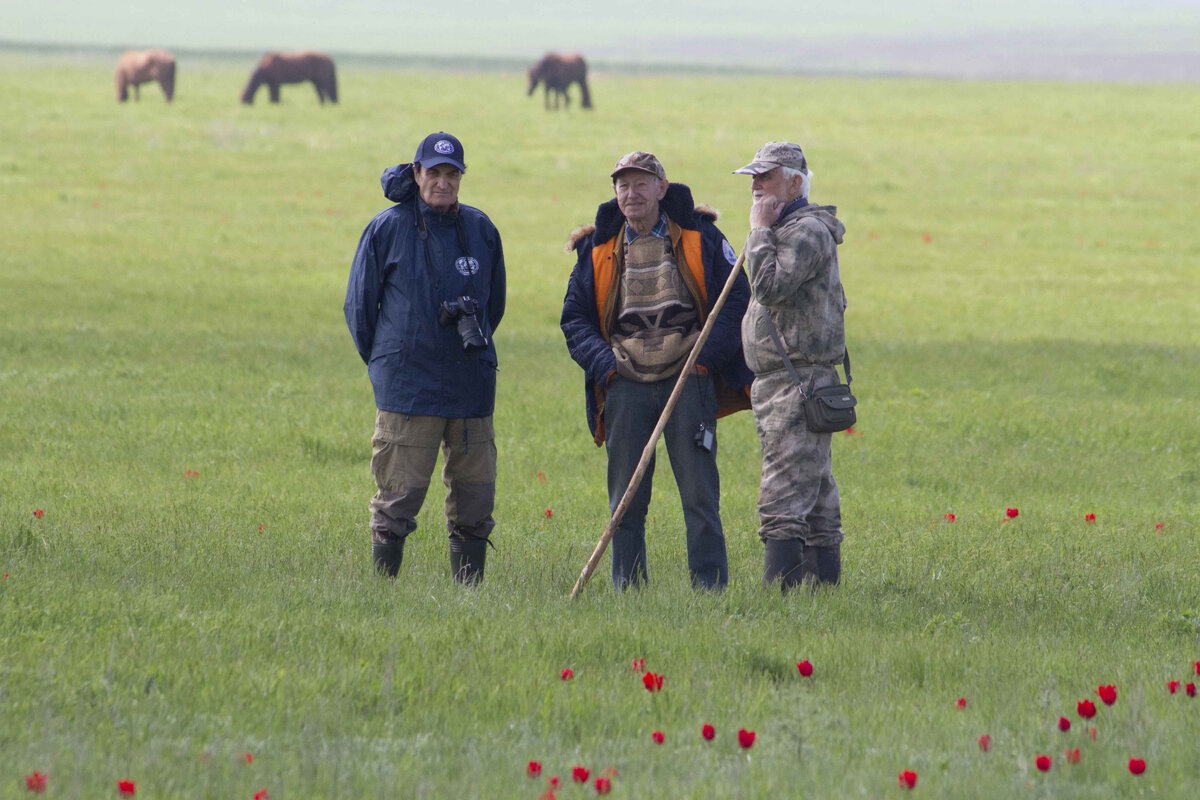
{"points": [[557, 72], [136, 67], [277, 68]]}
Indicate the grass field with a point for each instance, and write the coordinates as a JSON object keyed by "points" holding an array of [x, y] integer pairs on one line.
{"points": [[180, 399]]}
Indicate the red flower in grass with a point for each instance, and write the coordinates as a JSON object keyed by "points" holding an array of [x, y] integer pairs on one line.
{"points": [[961, 702], [1190, 689], [1011, 513], [638, 664], [926, 238], [708, 731], [806, 669], [1089, 517], [658, 737], [652, 681], [533, 769], [261, 528], [553, 781], [1158, 526], [249, 757], [1137, 765], [1064, 724], [1172, 686], [126, 788], [35, 782], [745, 738], [190, 473], [908, 779], [950, 517], [580, 774], [261, 794], [1072, 756], [850, 431], [39, 513], [1107, 693], [1042, 763], [1092, 732], [603, 786], [549, 513], [1197, 667], [985, 743], [568, 673], [1085, 709]]}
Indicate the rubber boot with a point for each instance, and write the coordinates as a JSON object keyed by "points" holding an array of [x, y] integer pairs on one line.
{"points": [[829, 563], [467, 556], [387, 556], [785, 561]]}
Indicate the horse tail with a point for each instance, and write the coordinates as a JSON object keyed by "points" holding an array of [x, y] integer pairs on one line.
{"points": [[122, 85], [586, 100], [167, 79], [332, 83]]}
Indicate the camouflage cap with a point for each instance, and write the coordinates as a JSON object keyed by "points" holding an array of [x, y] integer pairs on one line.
{"points": [[772, 155], [646, 162]]}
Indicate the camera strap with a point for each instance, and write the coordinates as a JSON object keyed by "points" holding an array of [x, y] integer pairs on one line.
{"points": [[773, 332], [423, 234]]}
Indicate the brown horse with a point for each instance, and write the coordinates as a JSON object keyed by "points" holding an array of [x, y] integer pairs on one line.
{"points": [[136, 67], [277, 68], [557, 72]]}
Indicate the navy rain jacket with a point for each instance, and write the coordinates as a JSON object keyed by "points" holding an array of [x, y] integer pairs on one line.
{"points": [[417, 366]]}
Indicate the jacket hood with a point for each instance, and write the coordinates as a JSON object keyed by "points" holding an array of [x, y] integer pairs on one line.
{"points": [[677, 203], [826, 215], [398, 183]]}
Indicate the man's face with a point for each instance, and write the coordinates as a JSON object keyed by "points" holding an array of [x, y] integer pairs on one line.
{"points": [[774, 184], [638, 194], [438, 185]]}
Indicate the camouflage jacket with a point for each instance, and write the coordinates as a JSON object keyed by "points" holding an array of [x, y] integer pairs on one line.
{"points": [[794, 277]]}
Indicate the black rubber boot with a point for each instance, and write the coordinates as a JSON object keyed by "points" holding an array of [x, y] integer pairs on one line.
{"points": [[829, 563], [785, 561], [387, 556], [467, 556]]}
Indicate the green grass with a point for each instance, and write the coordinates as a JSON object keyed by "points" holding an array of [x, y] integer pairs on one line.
{"points": [[171, 281]]}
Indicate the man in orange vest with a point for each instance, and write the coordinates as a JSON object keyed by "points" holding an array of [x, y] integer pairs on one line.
{"points": [[647, 275]]}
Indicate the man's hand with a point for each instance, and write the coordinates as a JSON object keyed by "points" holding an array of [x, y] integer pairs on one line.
{"points": [[765, 211]]}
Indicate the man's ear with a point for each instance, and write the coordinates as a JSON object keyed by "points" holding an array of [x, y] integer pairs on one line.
{"points": [[662, 189]]}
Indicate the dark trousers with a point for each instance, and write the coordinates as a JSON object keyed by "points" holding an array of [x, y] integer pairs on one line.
{"points": [[631, 411]]}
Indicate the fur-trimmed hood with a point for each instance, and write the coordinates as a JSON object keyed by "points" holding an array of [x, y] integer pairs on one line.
{"points": [[677, 203]]}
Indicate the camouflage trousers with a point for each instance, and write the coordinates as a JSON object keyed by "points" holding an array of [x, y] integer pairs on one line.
{"points": [[404, 452], [797, 497]]}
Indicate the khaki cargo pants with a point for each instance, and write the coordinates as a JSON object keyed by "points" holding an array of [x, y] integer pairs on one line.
{"points": [[404, 452]]}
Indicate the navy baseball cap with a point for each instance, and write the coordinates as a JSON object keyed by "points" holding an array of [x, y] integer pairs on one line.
{"points": [[440, 148]]}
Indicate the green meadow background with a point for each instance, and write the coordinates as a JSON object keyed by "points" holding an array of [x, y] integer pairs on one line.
{"points": [[179, 395]]}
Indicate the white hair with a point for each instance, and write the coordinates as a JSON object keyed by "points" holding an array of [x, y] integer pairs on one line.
{"points": [[806, 178]]}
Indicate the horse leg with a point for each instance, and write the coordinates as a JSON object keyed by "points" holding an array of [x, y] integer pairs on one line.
{"points": [[546, 96], [320, 94], [137, 92], [274, 87]]}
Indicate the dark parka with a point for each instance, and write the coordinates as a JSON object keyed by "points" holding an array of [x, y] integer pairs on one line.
{"points": [[416, 365], [588, 341]]}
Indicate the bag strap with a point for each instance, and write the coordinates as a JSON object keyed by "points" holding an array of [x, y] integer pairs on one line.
{"points": [[773, 332]]}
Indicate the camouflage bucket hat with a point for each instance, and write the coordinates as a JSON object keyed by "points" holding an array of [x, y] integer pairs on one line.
{"points": [[775, 154], [646, 162]]}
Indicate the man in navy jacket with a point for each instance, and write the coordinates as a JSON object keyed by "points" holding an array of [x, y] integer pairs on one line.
{"points": [[426, 291]]}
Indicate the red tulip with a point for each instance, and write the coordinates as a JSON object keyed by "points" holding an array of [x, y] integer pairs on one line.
{"points": [[745, 738], [1190, 689], [553, 781], [639, 664], [1089, 517], [533, 769], [908, 779], [580, 774], [549, 513], [603, 786], [1073, 756], [261, 794], [850, 431], [1107, 693], [126, 788], [1064, 724], [657, 736], [961, 702], [35, 782], [249, 757], [950, 518], [1011, 513], [1198, 667], [652, 681], [708, 731], [806, 669], [1085, 709], [1172, 686], [1137, 765], [39, 513], [1042, 763], [985, 742], [1158, 526], [568, 673]]}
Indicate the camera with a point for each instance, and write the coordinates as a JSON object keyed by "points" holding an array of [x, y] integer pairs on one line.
{"points": [[705, 439], [461, 313]]}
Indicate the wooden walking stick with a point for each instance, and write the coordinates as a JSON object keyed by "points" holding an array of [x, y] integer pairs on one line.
{"points": [[648, 452]]}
